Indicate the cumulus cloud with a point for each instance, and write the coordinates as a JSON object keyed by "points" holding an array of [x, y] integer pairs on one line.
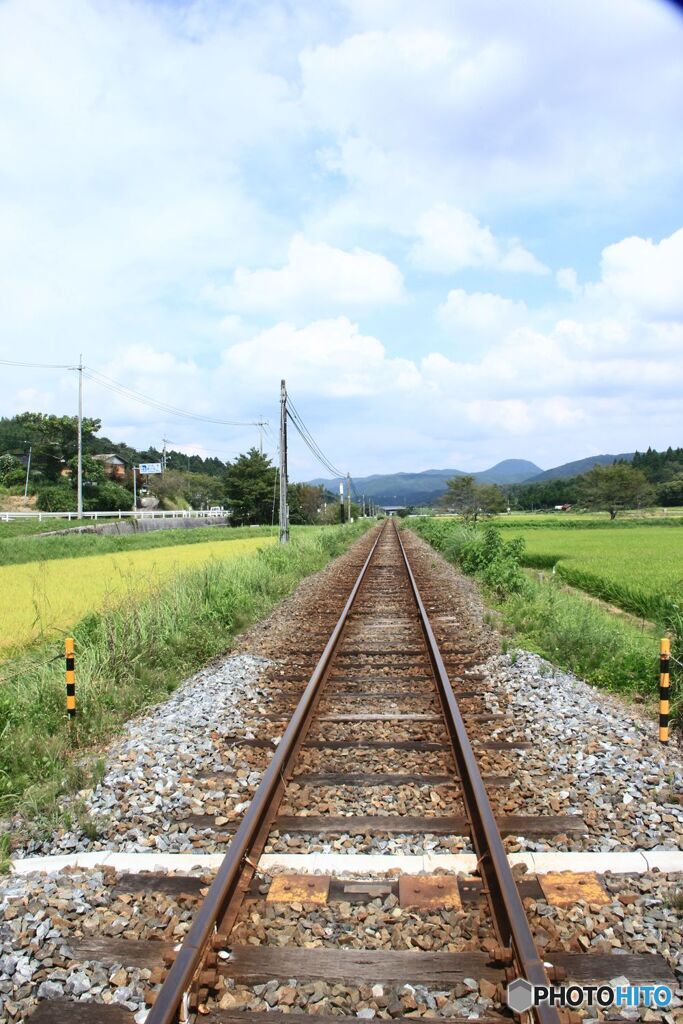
{"points": [[647, 274], [149, 149], [481, 314], [326, 357], [315, 277], [567, 279], [450, 239]]}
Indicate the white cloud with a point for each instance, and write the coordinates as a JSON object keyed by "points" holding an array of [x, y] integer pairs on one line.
{"points": [[481, 107], [148, 149], [647, 275], [450, 239], [481, 314], [327, 357], [567, 279], [316, 277]]}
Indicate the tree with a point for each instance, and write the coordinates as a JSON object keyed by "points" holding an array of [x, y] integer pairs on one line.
{"points": [[54, 440], [615, 487], [469, 499], [250, 488], [671, 493], [108, 497], [176, 489], [10, 470], [306, 502]]}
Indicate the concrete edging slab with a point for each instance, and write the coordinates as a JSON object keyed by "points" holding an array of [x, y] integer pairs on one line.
{"points": [[632, 862]]}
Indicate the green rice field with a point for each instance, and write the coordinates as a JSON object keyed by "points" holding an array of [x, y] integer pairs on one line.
{"points": [[639, 568]]}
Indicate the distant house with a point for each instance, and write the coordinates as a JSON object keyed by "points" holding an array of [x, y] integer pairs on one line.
{"points": [[114, 466]]}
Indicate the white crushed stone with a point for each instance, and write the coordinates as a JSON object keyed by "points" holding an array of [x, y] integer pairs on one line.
{"points": [[142, 796], [595, 756]]}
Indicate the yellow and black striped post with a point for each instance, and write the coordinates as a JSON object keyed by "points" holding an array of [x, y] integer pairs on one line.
{"points": [[70, 677], [664, 657]]}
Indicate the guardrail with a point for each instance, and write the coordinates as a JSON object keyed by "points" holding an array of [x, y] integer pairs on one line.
{"points": [[141, 513]]}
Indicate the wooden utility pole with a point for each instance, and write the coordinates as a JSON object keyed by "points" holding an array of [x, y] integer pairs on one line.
{"points": [[79, 481], [284, 509]]}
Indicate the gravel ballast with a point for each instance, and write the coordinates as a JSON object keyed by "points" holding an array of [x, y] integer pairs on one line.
{"points": [[590, 755]]}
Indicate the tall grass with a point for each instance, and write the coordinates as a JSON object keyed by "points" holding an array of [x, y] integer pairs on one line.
{"points": [[132, 655]]}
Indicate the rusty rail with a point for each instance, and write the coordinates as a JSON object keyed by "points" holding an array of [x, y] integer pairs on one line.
{"points": [[171, 1004], [509, 917]]}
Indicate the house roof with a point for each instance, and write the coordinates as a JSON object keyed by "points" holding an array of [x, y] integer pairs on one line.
{"points": [[111, 457]]}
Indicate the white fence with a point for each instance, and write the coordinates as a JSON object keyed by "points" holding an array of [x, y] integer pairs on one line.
{"points": [[141, 513]]}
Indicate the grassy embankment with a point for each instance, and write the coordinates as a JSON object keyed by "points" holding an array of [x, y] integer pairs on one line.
{"points": [[563, 626], [132, 654], [29, 527]]}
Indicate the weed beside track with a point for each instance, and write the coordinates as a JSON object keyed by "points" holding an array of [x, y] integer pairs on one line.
{"points": [[131, 656]]}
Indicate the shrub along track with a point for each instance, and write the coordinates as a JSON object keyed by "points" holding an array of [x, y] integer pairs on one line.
{"points": [[380, 743]]}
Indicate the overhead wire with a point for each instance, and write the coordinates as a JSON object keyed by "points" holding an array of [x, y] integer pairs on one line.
{"points": [[136, 396], [310, 441], [39, 366]]}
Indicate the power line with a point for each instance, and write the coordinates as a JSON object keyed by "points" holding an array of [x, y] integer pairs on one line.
{"points": [[39, 366], [309, 440], [136, 396]]}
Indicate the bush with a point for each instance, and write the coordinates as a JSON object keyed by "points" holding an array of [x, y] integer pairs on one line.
{"points": [[108, 497], [496, 561], [58, 498]]}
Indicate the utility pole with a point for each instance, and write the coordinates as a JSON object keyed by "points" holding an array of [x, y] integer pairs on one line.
{"points": [[341, 502], [165, 441], [80, 438], [135, 488], [348, 497], [284, 510], [260, 424], [28, 470]]}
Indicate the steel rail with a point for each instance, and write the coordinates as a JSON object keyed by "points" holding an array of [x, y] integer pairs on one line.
{"points": [[509, 917], [174, 990]]}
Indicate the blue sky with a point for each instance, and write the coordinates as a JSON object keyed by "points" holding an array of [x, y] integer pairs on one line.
{"points": [[455, 228]]}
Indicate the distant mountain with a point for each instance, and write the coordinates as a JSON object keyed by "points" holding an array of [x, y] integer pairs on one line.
{"points": [[425, 487], [578, 467], [509, 471]]}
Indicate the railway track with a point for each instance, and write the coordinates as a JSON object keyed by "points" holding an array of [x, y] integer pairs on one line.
{"points": [[384, 739]]}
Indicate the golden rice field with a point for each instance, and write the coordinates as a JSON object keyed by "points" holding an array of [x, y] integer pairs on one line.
{"points": [[47, 598]]}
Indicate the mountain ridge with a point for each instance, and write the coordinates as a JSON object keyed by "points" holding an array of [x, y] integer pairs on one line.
{"points": [[426, 486], [407, 488]]}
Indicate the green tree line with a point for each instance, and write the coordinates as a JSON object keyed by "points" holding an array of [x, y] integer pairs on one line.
{"points": [[246, 486]]}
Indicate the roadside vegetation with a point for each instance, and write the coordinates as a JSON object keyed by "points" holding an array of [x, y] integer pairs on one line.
{"points": [[564, 627], [132, 655]]}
